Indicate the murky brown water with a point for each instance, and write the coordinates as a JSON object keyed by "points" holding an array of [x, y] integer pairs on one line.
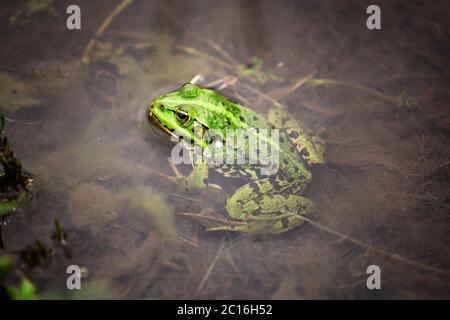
{"points": [[79, 129]]}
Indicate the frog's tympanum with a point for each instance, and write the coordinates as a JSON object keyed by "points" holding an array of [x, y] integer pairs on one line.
{"points": [[265, 203]]}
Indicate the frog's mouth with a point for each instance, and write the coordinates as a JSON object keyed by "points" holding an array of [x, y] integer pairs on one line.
{"points": [[159, 125]]}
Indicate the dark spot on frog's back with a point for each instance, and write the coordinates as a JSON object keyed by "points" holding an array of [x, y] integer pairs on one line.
{"points": [[294, 134], [275, 182], [242, 118], [255, 118], [285, 223], [255, 187], [305, 153]]}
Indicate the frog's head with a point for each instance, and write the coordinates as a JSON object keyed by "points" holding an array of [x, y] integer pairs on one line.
{"points": [[189, 113]]}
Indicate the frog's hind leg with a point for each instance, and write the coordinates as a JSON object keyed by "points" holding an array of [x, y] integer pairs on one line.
{"points": [[264, 210], [277, 214]]}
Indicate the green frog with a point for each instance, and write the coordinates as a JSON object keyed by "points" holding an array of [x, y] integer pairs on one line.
{"points": [[269, 203]]}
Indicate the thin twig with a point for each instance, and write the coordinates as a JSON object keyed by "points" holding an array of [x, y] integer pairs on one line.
{"points": [[265, 96], [424, 198], [221, 51], [277, 93], [20, 122], [353, 85], [210, 268], [373, 249], [208, 218], [182, 28], [206, 56], [342, 237], [103, 26], [319, 110]]}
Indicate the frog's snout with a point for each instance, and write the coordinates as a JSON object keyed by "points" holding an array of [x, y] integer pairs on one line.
{"points": [[151, 110], [156, 105]]}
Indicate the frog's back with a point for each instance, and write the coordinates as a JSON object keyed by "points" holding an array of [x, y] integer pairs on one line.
{"points": [[291, 164]]}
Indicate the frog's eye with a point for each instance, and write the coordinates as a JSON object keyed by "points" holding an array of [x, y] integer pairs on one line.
{"points": [[189, 90], [182, 116]]}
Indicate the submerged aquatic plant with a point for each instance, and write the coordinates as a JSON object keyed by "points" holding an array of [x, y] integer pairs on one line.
{"points": [[17, 95], [12, 167], [35, 255], [14, 184], [60, 237], [404, 100], [33, 10], [8, 291], [14, 285]]}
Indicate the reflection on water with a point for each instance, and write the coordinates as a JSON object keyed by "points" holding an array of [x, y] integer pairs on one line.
{"points": [[103, 172]]}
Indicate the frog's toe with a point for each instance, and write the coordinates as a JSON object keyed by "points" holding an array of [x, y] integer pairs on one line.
{"points": [[232, 228], [211, 222]]}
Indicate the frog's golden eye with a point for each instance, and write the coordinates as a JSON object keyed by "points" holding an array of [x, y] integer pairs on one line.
{"points": [[182, 116]]}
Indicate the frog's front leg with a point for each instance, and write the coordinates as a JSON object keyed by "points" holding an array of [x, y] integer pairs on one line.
{"points": [[198, 176], [195, 180], [310, 146]]}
